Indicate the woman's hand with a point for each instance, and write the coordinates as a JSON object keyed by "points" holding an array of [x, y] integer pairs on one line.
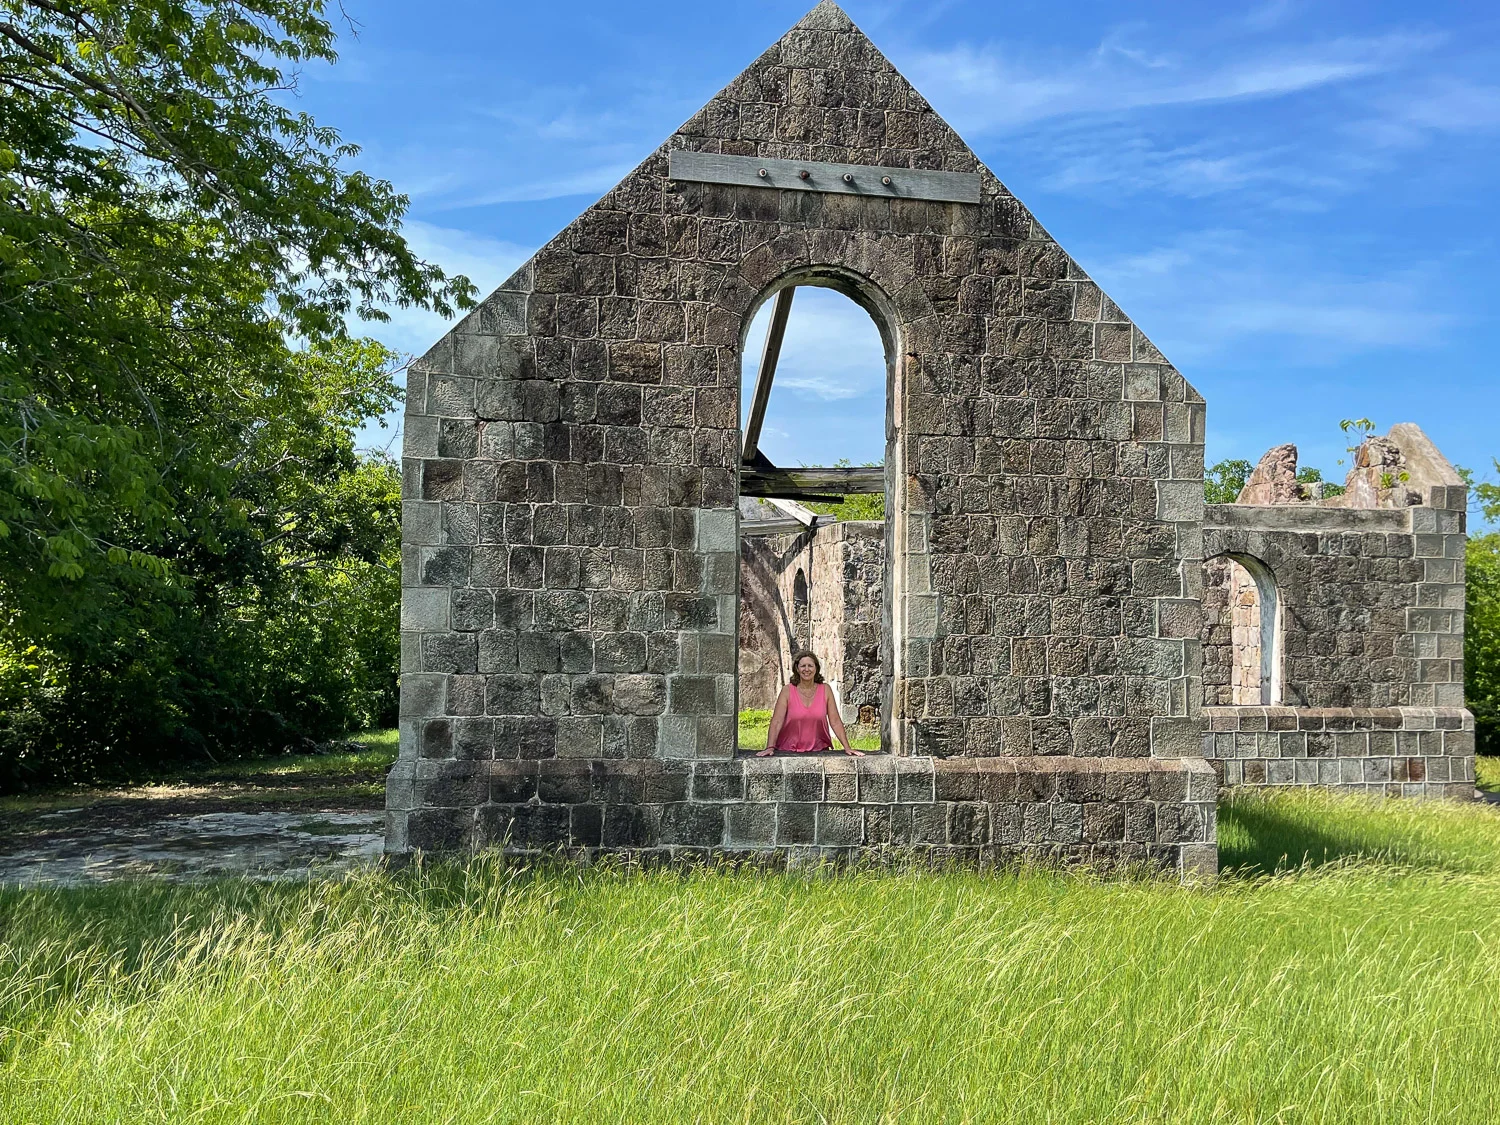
{"points": [[853, 753], [766, 753]]}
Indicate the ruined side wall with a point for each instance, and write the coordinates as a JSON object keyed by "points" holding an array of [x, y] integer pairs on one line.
{"points": [[1231, 634], [766, 611], [847, 605], [1370, 620], [844, 566]]}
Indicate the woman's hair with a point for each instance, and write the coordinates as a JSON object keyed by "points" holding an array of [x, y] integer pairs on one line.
{"points": [[817, 666]]}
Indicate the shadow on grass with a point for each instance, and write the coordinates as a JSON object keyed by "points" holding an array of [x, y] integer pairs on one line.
{"points": [[1262, 833]]}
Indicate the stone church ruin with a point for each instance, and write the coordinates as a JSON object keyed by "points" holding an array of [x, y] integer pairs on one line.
{"points": [[1064, 651]]}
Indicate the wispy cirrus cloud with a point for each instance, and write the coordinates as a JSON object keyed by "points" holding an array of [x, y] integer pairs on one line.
{"points": [[997, 87], [1213, 296]]}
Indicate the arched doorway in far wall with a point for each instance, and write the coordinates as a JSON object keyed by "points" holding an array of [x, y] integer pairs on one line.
{"points": [[1241, 633]]}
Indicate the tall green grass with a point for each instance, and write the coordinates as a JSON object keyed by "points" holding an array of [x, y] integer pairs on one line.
{"points": [[1341, 989]]}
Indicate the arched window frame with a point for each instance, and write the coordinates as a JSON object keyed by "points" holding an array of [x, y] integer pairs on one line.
{"points": [[881, 309]]}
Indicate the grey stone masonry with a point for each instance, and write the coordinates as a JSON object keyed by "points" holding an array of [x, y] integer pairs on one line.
{"points": [[1386, 751], [570, 561], [1103, 811], [1368, 631]]}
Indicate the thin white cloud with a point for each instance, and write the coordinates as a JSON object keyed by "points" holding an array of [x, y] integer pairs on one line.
{"points": [[590, 182], [831, 351], [1212, 296], [994, 87], [1409, 117]]}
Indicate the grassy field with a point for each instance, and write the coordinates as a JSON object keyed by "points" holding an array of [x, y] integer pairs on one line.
{"points": [[1346, 969], [755, 726]]}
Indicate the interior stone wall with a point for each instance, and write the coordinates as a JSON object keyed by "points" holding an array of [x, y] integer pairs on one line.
{"points": [[1231, 634], [766, 638], [848, 604]]}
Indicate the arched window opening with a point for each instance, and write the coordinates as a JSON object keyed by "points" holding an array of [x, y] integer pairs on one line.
{"points": [[815, 428], [1241, 636], [801, 610], [815, 365]]}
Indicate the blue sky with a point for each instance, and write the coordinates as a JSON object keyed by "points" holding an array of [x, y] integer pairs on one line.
{"points": [[1296, 201]]}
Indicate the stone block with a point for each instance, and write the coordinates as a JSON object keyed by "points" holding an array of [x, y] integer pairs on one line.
{"points": [[424, 609], [423, 695], [796, 824]]}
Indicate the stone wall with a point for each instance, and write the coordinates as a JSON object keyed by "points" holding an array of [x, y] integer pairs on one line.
{"points": [[767, 633], [1387, 751], [570, 571], [1369, 630], [1232, 671], [1100, 811], [848, 596]]}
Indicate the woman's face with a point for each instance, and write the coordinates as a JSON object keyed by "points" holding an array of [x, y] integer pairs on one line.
{"points": [[807, 668]]}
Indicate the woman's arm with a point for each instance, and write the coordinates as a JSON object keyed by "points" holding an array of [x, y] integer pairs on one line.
{"points": [[836, 721], [778, 719]]}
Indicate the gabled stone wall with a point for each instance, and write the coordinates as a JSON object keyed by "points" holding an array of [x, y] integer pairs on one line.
{"points": [[570, 474]]}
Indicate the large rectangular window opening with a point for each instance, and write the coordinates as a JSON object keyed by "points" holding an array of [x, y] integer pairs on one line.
{"points": [[814, 543]]}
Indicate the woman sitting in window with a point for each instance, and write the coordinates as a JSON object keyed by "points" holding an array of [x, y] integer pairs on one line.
{"points": [[804, 712]]}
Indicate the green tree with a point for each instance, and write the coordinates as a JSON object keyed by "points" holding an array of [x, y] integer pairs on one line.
{"points": [[179, 254], [1482, 618], [860, 506], [1223, 482]]}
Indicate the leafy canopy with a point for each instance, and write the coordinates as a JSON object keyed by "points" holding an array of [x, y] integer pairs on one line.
{"points": [[164, 216], [191, 550], [1482, 617]]}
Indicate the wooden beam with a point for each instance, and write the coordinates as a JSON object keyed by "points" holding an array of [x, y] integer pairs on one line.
{"points": [[805, 516], [774, 335], [784, 526], [811, 484], [812, 175]]}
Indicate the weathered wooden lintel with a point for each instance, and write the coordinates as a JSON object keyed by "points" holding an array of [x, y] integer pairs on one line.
{"points": [[798, 175], [811, 484]]}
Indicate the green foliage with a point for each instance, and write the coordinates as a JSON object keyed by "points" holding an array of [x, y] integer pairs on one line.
{"points": [[1310, 475], [861, 506], [178, 485], [284, 633], [1223, 483], [1358, 988], [1482, 615], [1482, 639], [1483, 494]]}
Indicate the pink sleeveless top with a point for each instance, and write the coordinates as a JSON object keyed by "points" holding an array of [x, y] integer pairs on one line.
{"points": [[805, 728]]}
